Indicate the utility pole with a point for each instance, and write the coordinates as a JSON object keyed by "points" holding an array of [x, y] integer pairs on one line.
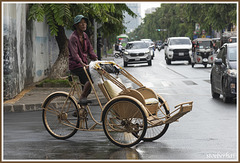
{"points": [[96, 27], [95, 35], [99, 46]]}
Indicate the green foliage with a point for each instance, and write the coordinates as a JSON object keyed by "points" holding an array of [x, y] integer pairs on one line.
{"points": [[36, 12], [55, 14], [110, 15], [179, 19]]}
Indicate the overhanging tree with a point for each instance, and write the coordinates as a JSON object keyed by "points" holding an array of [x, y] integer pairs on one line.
{"points": [[60, 17]]}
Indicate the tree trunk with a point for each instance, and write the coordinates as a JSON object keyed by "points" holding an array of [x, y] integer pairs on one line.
{"points": [[60, 67]]}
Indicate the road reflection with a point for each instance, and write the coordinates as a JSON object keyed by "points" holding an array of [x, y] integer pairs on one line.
{"points": [[126, 154]]}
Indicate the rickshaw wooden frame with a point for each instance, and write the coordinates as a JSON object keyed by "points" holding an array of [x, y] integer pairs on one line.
{"points": [[137, 96]]}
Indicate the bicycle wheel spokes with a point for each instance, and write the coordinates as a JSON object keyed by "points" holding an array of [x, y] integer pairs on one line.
{"points": [[58, 116], [123, 120], [156, 131]]}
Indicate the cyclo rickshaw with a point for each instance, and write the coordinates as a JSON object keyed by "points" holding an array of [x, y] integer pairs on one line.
{"points": [[203, 50], [129, 115]]}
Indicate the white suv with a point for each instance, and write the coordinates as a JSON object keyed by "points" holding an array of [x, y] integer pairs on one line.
{"points": [[178, 49]]}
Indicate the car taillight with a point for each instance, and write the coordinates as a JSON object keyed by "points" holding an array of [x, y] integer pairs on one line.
{"points": [[198, 59]]}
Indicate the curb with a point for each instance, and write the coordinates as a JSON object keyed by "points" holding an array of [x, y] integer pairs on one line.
{"points": [[21, 107], [11, 108]]}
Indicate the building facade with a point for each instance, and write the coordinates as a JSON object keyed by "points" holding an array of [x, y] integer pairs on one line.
{"points": [[150, 10], [29, 50], [130, 22]]}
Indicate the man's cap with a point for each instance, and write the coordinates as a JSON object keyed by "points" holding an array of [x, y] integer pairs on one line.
{"points": [[78, 18]]}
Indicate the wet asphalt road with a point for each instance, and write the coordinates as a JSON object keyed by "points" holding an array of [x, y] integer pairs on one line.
{"points": [[208, 132]]}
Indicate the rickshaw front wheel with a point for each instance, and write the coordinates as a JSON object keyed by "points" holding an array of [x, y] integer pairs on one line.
{"points": [[124, 122], [58, 115], [155, 132]]}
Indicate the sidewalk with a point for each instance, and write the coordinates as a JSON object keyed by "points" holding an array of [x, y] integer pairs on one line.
{"points": [[31, 98]]}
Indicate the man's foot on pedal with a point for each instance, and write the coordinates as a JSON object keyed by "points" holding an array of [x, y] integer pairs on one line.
{"points": [[84, 101]]}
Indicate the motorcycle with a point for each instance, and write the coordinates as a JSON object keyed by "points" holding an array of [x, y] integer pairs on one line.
{"points": [[118, 54]]}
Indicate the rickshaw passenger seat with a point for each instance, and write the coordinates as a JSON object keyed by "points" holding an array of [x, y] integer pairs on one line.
{"points": [[112, 89], [151, 101]]}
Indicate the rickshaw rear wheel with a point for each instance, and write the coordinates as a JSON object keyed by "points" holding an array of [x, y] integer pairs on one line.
{"points": [[154, 133], [124, 122], [58, 116]]}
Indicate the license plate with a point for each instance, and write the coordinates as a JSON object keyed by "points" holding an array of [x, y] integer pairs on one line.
{"points": [[137, 59], [181, 54]]}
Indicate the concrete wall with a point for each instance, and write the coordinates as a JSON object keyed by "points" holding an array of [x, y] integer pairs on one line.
{"points": [[29, 50]]}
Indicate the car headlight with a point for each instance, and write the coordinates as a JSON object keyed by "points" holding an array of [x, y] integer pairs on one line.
{"points": [[232, 72], [147, 52], [126, 53]]}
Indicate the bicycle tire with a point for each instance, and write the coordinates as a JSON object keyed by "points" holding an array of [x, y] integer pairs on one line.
{"points": [[154, 133], [57, 118], [122, 119]]}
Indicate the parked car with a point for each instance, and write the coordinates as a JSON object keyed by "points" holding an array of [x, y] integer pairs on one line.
{"points": [[203, 50], [137, 52], [228, 37], [232, 39], [224, 73], [178, 49]]}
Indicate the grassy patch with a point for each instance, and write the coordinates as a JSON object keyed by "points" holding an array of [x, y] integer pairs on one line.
{"points": [[53, 83]]}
